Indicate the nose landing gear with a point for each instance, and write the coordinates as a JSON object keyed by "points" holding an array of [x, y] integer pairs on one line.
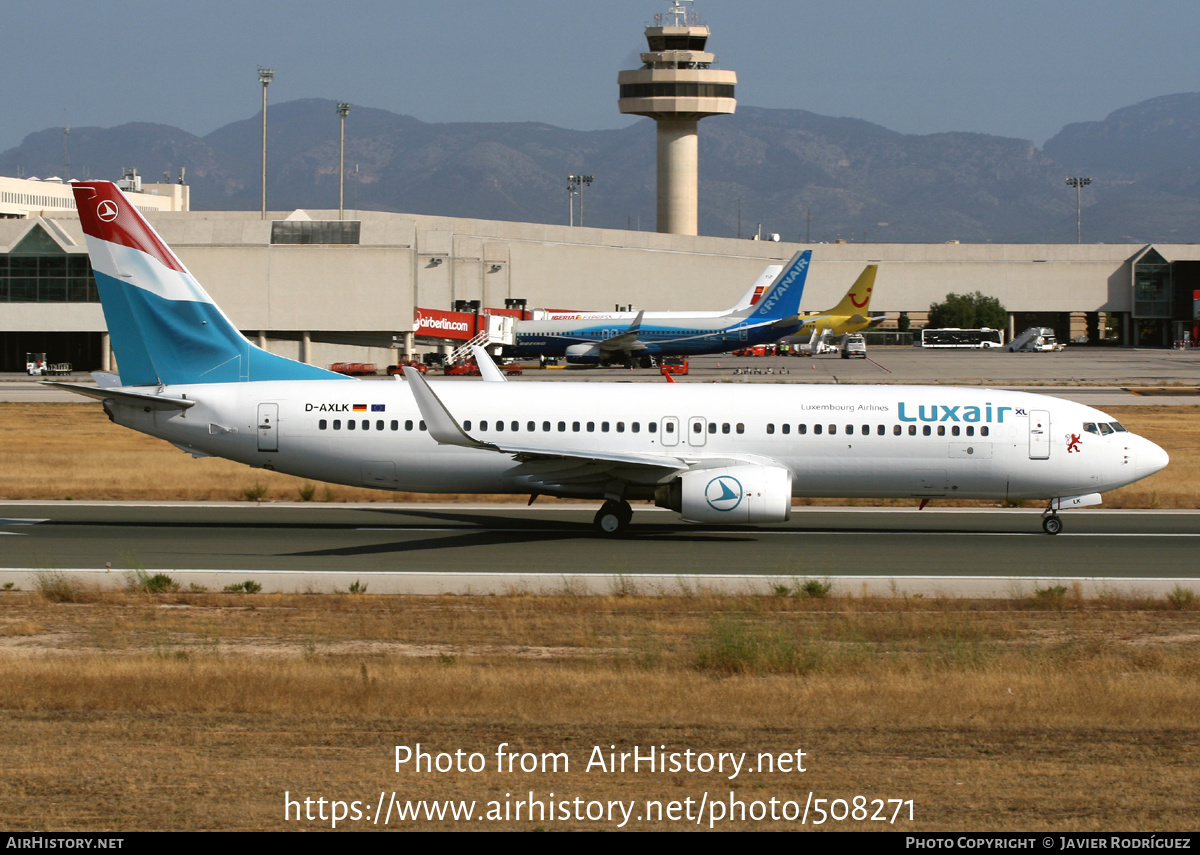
{"points": [[1051, 524]]}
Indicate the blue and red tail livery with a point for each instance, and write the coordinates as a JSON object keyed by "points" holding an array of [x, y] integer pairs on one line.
{"points": [[165, 328]]}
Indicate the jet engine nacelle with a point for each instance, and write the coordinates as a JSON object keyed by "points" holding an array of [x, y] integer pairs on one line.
{"points": [[583, 354], [732, 494]]}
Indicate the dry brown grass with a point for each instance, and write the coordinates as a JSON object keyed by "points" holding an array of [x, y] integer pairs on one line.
{"points": [[195, 710], [71, 451]]}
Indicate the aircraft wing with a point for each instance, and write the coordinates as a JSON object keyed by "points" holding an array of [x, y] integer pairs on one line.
{"points": [[626, 342], [568, 465]]}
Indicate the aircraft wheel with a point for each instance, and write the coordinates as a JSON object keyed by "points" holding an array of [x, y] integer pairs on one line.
{"points": [[1051, 525], [613, 518]]}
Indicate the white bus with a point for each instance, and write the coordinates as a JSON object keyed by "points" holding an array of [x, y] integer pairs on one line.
{"points": [[983, 338]]}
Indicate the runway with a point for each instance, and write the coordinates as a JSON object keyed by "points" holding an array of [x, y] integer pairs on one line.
{"points": [[443, 548]]}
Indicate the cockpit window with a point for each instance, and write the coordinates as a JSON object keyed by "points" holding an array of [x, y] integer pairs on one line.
{"points": [[1118, 427], [1105, 429], [1090, 427]]}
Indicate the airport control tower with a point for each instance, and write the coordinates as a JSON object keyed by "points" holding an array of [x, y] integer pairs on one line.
{"points": [[677, 87]]}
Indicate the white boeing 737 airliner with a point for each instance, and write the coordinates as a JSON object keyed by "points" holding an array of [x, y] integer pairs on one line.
{"points": [[714, 453]]}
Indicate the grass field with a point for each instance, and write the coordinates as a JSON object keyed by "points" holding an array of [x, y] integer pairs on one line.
{"points": [[71, 451], [200, 711]]}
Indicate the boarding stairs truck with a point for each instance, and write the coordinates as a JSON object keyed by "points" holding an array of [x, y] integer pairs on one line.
{"points": [[1034, 340]]}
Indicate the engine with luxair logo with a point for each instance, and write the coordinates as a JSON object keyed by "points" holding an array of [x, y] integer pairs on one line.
{"points": [[730, 495]]}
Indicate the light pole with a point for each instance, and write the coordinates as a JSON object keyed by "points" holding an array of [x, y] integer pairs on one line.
{"points": [[265, 76], [343, 110], [1078, 184], [575, 184]]}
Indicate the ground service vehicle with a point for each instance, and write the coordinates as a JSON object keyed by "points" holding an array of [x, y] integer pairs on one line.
{"points": [[854, 347]]}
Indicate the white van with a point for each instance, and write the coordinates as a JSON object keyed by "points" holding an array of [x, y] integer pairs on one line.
{"points": [[854, 347]]}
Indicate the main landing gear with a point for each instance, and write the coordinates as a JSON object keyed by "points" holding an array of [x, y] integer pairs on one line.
{"points": [[613, 517], [1051, 524]]}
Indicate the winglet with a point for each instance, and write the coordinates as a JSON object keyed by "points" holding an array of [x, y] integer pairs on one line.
{"points": [[443, 427], [487, 367]]}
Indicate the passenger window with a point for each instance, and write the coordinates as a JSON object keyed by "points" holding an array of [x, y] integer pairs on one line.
{"points": [[483, 424], [499, 424], [741, 428], [562, 427], [941, 430], [337, 424], [379, 425], [850, 430], [817, 430], [881, 430], [653, 427], [531, 427], [350, 424], [591, 427], [970, 430], [604, 427], [912, 430], [546, 427], [832, 430], [787, 429], [322, 424], [983, 431], [422, 424], [575, 427], [770, 429], [725, 428], [670, 427], [514, 426], [697, 427], [866, 431], [897, 430], [395, 424], [954, 430], [802, 429], [408, 425], [466, 425], [926, 430], [620, 427], [636, 427]]}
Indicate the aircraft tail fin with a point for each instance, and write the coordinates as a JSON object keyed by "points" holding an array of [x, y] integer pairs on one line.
{"points": [[858, 299], [783, 299], [760, 286], [165, 328]]}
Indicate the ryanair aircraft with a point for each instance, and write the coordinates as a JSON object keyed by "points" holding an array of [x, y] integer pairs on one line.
{"points": [[714, 453], [594, 340]]}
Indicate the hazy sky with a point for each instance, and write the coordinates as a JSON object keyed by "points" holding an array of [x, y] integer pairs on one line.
{"points": [[1021, 68]]}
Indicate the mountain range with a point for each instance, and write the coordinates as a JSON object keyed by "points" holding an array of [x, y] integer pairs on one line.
{"points": [[795, 173]]}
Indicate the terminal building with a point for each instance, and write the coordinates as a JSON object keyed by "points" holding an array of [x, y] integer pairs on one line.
{"points": [[323, 290]]}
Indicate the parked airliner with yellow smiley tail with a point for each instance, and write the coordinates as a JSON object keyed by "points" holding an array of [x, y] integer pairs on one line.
{"points": [[715, 453]]}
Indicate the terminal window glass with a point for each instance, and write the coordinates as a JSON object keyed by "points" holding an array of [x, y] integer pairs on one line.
{"points": [[38, 270], [289, 232]]}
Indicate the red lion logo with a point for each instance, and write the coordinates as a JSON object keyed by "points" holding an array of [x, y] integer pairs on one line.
{"points": [[1073, 442]]}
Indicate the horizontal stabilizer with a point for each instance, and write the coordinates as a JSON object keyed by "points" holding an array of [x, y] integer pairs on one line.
{"points": [[106, 394]]}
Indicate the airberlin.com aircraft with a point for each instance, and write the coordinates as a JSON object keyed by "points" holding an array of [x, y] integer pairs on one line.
{"points": [[714, 453]]}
